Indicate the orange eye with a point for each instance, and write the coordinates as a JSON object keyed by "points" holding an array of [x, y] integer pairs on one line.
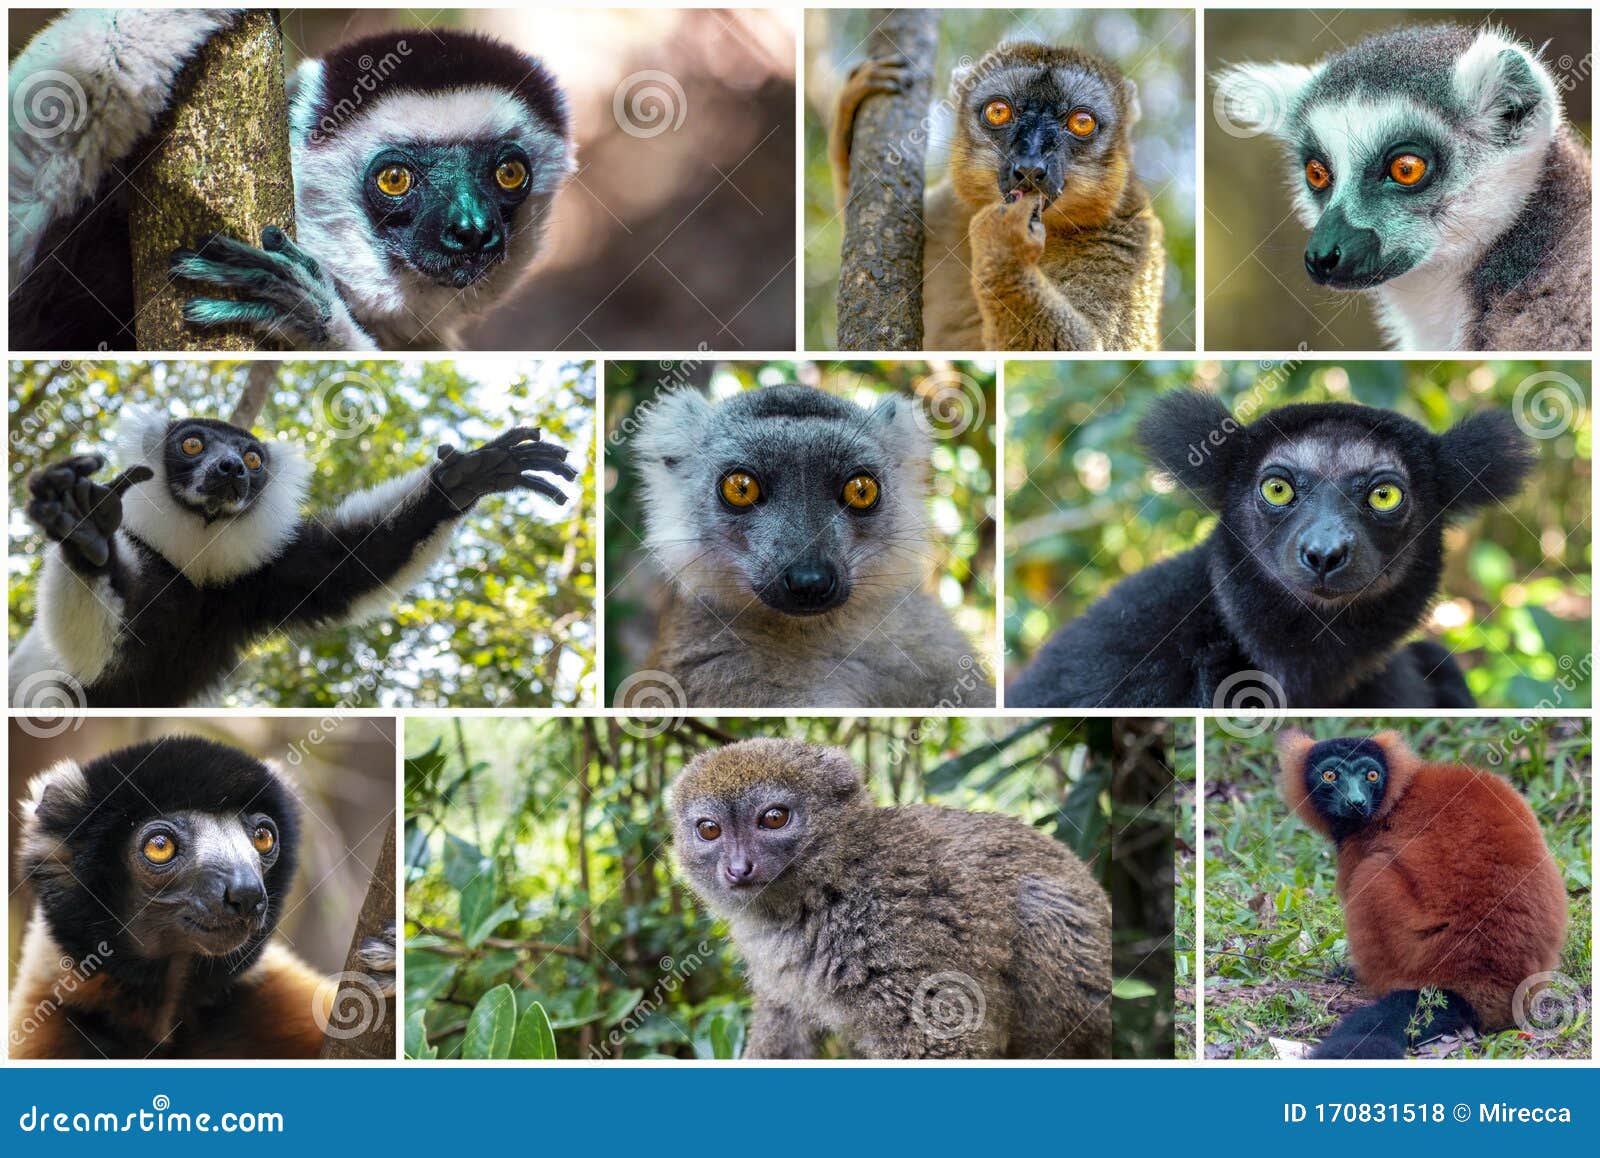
{"points": [[394, 181], [1082, 123], [997, 113], [1317, 175], [192, 446], [1372, 776], [708, 829], [861, 493], [1329, 776], [1407, 169], [511, 175], [160, 848], [740, 489], [252, 460], [263, 839], [774, 817]]}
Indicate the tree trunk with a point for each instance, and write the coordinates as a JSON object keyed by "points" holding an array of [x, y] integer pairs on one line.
{"points": [[360, 1024], [880, 270], [254, 396], [220, 164]]}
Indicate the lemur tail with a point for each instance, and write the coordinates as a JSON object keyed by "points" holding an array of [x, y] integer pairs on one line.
{"points": [[1384, 1028]]}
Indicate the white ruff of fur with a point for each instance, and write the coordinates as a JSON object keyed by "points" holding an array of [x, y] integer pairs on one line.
{"points": [[330, 162], [208, 554], [80, 615], [371, 507]]}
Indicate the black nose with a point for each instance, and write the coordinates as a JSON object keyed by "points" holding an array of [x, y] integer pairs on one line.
{"points": [[1029, 171], [231, 465], [470, 235], [1322, 557], [1322, 262], [811, 583], [245, 896]]}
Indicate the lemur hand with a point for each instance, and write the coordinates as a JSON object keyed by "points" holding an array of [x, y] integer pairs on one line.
{"points": [[284, 293], [1007, 235], [80, 514], [505, 464], [878, 74], [377, 956]]}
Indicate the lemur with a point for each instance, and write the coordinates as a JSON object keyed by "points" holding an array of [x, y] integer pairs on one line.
{"points": [[1041, 238], [423, 176], [159, 874], [1327, 553], [792, 527], [1435, 170], [1445, 881], [154, 583]]}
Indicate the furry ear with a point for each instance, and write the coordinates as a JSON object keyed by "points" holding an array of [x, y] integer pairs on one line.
{"points": [[1294, 746], [1191, 436], [903, 429], [57, 800], [672, 427], [1260, 98], [1506, 85], [1481, 460], [1130, 94], [1403, 765]]}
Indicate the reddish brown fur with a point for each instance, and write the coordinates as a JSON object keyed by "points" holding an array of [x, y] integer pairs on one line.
{"points": [[1450, 885]]}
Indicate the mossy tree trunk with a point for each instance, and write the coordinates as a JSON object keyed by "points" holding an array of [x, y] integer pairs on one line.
{"points": [[880, 269], [362, 1026], [220, 164]]}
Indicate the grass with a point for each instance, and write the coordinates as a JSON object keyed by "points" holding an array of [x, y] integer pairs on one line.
{"points": [[1276, 958]]}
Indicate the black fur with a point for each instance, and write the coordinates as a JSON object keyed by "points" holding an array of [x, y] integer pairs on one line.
{"points": [[1173, 635], [126, 788], [1379, 1030]]}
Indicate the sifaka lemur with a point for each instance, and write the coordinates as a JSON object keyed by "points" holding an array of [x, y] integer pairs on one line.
{"points": [[904, 932], [424, 167], [792, 527], [1436, 171], [155, 583], [1041, 238]]}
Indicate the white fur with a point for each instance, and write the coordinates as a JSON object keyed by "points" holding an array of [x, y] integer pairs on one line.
{"points": [[208, 554], [671, 429], [81, 615], [373, 506], [1480, 77], [1426, 308], [1259, 98], [114, 68], [69, 790]]}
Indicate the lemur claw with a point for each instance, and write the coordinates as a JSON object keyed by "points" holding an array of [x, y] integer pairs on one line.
{"points": [[77, 512], [283, 291], [509, 462]]}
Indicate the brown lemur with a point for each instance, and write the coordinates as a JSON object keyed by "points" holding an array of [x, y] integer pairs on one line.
{"points": [[905, 932], [792, 526], [1041, 237]]}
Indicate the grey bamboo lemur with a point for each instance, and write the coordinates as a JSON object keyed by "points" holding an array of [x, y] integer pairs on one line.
{"points": [[909, 932], [1041, 238], [1435, 170], [792, 526]]}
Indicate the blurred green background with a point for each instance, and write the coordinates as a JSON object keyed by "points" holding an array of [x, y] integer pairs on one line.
{"points": [[1258, 296], [959, 398], [540, 888], [1274, 930], [507, 618], [1083, 510], [1154, 47]]}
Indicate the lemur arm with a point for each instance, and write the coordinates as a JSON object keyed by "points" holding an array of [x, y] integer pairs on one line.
{"points": [[84, 92], [351, 563], [1022, 308], [877, 75]]}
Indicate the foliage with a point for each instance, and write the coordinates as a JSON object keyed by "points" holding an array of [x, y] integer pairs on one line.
{"points": [[1154, 47], [1185, 862], [960, 400], [1083, 510], [537, 859], [507, 620], [1273, 922]]}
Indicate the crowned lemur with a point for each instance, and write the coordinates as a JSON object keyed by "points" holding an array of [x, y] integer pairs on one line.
{"points": [[1435, 170], [1041, 238], [424, 167], [908, 932], [792, 527], [154, 583]]}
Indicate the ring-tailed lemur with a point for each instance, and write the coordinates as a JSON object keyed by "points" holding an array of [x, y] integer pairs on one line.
{"points": [[424, 169], [1434, 168], [156, 582], [792, 526]]}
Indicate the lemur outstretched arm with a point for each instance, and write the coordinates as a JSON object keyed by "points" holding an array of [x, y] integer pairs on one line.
{"points": [[353, 562]]}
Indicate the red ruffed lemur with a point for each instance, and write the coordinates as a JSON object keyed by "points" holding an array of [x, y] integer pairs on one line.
{"points": [[1445, 881], [160, 873]]}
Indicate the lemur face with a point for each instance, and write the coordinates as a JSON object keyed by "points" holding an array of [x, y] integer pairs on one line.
{"points": [[214, 469], [1345, 780], [1034, 120], [1413, 148]]}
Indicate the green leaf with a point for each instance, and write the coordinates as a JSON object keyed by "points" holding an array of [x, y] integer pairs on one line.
{"points": [[479, 913], [1132, 989], [621, 1005], [417, 1046], [535, 1040], [464, 862], [492, 1026]]}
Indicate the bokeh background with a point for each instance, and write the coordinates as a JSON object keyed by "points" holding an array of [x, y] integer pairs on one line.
{"points": [[344, 771], [961, 404], [1258, 296], [1275, 940], [1084, 510], [1155, 47], [678, 228], [540, 888], [507, 618]]}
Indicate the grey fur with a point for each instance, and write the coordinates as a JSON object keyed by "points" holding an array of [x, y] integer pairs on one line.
{"points": [[888, 644], [906, 932]]}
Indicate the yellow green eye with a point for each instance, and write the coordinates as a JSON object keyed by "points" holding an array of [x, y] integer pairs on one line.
{"points": [[192, 446], [511, 175], [740, 489], [1277, 492], [1329, 776], [394, 181], [861, 493], [1384, 498], [997, 113], [160, 848], [263, 839]]}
